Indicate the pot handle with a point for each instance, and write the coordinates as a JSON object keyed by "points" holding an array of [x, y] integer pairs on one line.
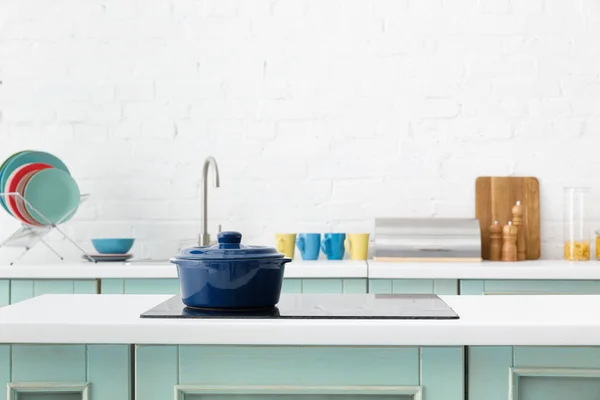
{"points": [[229, 240], [325, 246]]}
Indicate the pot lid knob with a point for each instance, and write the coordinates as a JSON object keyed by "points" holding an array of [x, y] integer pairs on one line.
{"points": [[229, 238]]}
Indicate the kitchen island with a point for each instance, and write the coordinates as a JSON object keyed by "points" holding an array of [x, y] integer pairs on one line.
{"points": [[97, 347]]}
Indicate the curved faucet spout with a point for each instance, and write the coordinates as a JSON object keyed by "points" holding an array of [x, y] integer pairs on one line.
{"points": [[209, 163], [212, 163]]}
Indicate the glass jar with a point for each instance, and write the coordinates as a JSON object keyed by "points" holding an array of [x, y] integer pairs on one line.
{"points": [[598, 245], [575, 223]]}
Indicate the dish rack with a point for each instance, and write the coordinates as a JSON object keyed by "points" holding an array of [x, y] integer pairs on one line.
{"points": [[28, 236]]}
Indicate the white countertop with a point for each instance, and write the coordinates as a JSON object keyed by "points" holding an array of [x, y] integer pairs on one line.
{"points": [[484, 320], [160, 270], [538, 269]]}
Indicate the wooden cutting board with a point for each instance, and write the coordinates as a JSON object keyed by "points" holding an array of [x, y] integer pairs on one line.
{"points": [[495, 197]]}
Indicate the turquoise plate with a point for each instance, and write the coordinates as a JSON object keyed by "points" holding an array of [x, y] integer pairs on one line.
{"points": [[52, 196], [2, 171], [26, 157]]}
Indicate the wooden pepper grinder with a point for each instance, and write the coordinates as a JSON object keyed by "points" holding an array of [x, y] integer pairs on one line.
{"points": [[496, 242], [509, 243], [517, 220]]}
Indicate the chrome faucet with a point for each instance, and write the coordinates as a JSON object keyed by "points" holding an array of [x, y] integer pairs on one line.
{"points": [[204, 239]]}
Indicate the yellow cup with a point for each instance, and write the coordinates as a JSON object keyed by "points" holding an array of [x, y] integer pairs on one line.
{"points": [[357, 244], [286, 243]]}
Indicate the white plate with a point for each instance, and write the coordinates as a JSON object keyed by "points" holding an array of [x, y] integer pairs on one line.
{"points": [[109, 257]]}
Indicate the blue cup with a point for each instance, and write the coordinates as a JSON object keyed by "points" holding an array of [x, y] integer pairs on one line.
{"points": [[309, 245], [333, 245]]}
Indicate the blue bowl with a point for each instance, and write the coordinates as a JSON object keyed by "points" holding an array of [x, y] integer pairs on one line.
{"points": [[112, 246]]}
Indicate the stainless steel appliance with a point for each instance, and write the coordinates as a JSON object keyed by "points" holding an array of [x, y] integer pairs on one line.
{"points": [[427, 239]]}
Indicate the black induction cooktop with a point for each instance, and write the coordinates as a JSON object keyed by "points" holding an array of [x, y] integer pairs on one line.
{"points": [[322, 306]]}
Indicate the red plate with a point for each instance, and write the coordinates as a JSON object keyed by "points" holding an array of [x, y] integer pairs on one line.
{"points": [[13, 182], [20, 203]]}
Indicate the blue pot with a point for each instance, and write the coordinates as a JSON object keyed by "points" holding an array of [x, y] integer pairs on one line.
{"points": [[230, 274]]}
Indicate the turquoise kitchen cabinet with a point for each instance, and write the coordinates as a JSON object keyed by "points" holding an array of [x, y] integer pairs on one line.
{"points": [[292, 286], [325, 285], [195, 372], [4, 292], [413, 286], [171, 286], [65, 372], [508, 287], [140, 286], [533, 373], [25, 289]]}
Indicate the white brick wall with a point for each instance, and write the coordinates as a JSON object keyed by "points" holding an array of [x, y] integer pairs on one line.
{"points": [[322, 114]]}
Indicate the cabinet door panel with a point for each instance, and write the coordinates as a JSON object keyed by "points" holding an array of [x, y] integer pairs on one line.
{"points": [[290, 396], [151, 286], [442, 375], [4, 293], [20, 290], [413, 286], [4, 369], [322, 286], [541, 287], [524, 287], [57, 363], [25, 289], [156, 372], [380, 286], [557, 357], [489, 370], [355, 285], [50, 396], [299, 373], [298, 366], [553, 388], [109, 370], [533, 373], [112, 286], [65, 372], [86, 287], [292, 286]]}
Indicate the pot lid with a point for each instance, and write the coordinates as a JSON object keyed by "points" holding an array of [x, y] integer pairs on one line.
{"points": [[229, 247]]}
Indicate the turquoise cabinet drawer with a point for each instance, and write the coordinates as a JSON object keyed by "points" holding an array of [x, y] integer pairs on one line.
{"points": [[327, 286], [171, 286], [25, 289], [292, 286], [99, 372], [140, 286], [533, 373], [298, 373], [413, 286], [4, 293], [324, 286], [507, 287], [333, 286]]}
